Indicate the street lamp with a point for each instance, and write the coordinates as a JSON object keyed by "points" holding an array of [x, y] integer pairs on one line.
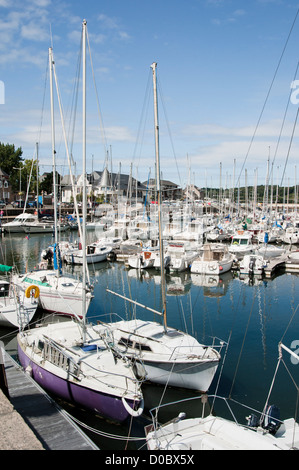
{"points": [[20, 191]]}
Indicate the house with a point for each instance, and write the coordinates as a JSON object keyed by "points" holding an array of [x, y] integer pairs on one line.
{"points": [[104, 186], [6, 193], [169, 190]]}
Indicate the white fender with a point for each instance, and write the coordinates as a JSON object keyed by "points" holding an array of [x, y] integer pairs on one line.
{"points": [[134, 413], [28, 370]]}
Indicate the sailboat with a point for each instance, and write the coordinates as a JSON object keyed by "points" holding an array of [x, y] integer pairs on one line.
{"points": [[71, 359], [264, 432], [57, 293], [17, 307], [169, 356]]}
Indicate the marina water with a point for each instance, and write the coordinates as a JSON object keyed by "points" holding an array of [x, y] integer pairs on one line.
{"points": [[252, 317]]}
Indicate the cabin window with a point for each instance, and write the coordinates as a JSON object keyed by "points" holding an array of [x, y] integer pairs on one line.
{"points": [[142, 347], [125, 342]]}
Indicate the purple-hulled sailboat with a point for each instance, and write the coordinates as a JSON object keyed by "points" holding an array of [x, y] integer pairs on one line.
{"points": [[71, 359], [89, 374]]}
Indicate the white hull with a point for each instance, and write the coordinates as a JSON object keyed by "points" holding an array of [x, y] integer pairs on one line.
{"points": [[59, 294], [143, 260], [204, 267], [95, 254], [182, 264], [190, 375], [44, 228], [10, 312]]}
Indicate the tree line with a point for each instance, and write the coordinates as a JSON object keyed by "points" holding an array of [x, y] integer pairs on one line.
{"points": [[19, 170]]}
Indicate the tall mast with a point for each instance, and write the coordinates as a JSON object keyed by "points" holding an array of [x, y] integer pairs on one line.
{"points": [[51, 63], [84, 172], [159, 196]]}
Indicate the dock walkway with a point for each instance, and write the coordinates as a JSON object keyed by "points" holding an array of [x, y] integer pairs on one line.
{"points": [[44, 425], [281, 262]]}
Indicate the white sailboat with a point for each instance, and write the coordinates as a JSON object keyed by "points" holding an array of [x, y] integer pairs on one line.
{"points": [[57, 292], [168, 355], [72, 359], [264, 432]]}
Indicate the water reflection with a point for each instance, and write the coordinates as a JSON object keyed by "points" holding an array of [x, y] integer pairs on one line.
{"points": [[252, 316]]}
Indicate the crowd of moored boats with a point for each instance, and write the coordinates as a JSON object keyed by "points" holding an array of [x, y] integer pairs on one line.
{"points": [[102, 367]]}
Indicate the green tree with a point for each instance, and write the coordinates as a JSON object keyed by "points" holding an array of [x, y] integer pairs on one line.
{"points": [[47, 183], [11, 158]]}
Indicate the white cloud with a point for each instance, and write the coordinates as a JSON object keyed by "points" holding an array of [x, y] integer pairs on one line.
{"points": [[35, 32]]}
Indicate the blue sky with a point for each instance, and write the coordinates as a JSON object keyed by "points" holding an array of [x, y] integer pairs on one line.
{"points": [[216, 61]]}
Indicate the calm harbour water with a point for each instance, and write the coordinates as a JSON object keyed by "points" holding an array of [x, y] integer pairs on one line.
{"points": [[251, 318]]}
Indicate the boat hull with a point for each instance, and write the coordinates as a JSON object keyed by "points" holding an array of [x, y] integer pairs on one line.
{"points": [[108, 406], [10, 317], [210, 268], [191, 375], [70, 305]]}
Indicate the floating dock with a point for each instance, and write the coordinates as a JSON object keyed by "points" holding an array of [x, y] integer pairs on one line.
{"points": [[34, 420], [284, 262]]}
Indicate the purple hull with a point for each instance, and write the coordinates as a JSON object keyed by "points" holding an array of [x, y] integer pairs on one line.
{"points": [[108, 406]]}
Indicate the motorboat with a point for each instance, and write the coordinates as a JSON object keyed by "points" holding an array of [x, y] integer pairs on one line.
{"points": [[43, 225], [252, 265], [218, 234], [145, 259], [212, 259], [182, 254], [241, 244], [16, 225]]}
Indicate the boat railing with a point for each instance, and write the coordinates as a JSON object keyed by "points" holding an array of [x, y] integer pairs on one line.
{"points": [[53, 353], [179, 350], [254, 419]]}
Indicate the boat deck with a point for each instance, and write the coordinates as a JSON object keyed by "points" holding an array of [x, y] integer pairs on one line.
{"points": [[52, 426]]}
